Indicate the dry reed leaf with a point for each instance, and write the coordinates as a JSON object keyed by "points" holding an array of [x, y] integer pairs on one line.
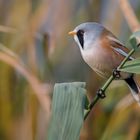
{"points": [[129, 14], [6, 29]]}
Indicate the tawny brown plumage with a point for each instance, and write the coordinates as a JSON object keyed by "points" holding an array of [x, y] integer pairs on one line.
{"points": [[103, 52]]}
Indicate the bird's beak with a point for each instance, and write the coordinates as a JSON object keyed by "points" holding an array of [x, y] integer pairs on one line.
{"points": [[72, 33]]}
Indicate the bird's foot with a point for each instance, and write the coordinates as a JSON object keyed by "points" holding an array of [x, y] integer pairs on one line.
{"points": [[116, 74], [101, 93]]}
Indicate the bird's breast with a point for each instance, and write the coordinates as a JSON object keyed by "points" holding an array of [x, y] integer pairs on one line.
{"points": [[99, 60]]}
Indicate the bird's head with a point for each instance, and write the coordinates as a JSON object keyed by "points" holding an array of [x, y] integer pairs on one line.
{"points": [[86, 33]]}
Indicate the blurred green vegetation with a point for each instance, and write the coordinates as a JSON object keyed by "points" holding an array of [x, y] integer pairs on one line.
{"points": [[36, 30]]}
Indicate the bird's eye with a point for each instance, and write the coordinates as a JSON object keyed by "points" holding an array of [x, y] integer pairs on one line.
{"points": [[80, 32], [80, 35]]}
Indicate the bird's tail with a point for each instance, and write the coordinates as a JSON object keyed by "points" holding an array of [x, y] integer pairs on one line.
{"points": [[135, 90]]}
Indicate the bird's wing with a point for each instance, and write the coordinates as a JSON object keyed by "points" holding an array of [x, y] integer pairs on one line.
{"points": [[120, 51], [118, 47]]}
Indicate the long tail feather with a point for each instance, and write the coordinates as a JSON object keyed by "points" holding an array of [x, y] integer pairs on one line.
{"points": [[135, 90]]}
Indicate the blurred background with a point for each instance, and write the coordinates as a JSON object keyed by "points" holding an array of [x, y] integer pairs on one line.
{"points": [[36, 31]]}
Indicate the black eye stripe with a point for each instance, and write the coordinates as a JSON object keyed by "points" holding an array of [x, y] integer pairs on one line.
{"points": [[80, 35]]}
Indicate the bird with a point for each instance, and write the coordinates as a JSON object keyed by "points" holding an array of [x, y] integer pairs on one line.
{"points": [[103, 52]]}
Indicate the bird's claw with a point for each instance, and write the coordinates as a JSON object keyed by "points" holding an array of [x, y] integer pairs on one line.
{"points": [[101, 93], [116, 74]]}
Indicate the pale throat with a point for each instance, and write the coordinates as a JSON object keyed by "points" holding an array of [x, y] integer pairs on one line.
{"points": [[77, 41]]}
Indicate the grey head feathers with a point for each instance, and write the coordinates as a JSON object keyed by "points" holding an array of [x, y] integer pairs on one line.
{"points": [[87, 32]]}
